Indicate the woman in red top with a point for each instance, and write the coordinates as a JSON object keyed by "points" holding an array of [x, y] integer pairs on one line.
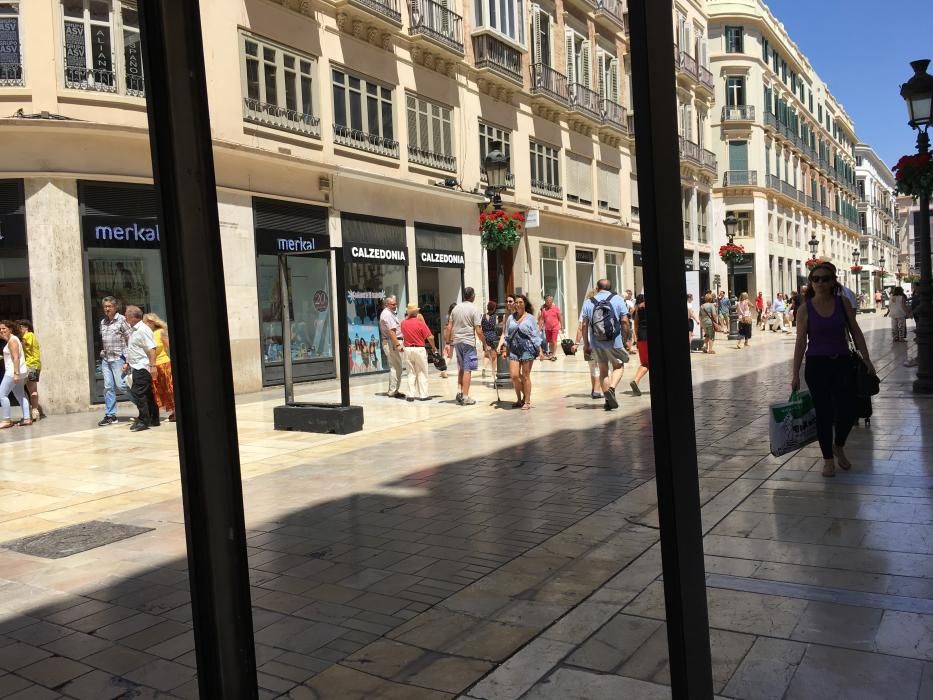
{"points": [[549, 321], [415, 334]]}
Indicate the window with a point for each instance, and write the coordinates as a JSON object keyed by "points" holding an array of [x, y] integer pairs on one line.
{"points": [[277, 87], [685, 212], [744, 228], [633, 191], [11, 51], [579, 179], [735, 40], [735, 91], [542, 28], [545, 173], [608, 188], [102, 46], [506, 17], [430, 134], [552, 273], [488, 135], [363, 114], [614, 269], [578, 58], [607, 76], [765, 51]]}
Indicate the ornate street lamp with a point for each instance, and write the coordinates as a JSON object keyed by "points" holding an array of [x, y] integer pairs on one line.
{"points": [[814, 244], [731, 223], [496, 164], [856, 262], [918, 94]]}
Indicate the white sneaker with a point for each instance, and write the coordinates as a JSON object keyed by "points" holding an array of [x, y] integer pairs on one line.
{"points": [[35, 414]]}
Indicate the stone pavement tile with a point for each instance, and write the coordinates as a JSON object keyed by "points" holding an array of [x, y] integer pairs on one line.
{"points": [[905, 634], [518, 674], [35, 692], [101, 618], [118, 660], [77, 645], [294, 674], [39, 633], [331, 593], [274, 684], [766, 671], [298, 635], [98, 685], [16, 655], [612, 645], [53, 671], [161, 675], [838, 625], [581, 622], [575, 684], [10, 684], [821, 576], [174, 647], [926, 683], [841, 674], [342, 683], [76, 612]]}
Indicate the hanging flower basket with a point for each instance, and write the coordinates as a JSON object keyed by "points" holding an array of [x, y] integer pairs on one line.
{"points": [[914, 174], [813, 262], [855, 269], [732, 253], [500, 229]]}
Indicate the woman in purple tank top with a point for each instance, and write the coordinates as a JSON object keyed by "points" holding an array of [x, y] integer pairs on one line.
{"points": [[821, 336]]}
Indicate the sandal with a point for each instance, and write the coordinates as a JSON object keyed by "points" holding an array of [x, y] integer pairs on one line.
{"points": [[25, 422], [171, 417], [526, 407], [518, 404], [6, 424], [829, 468]]}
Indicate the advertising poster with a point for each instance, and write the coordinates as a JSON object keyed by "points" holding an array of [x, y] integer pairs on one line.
{"points": [[364, 346], [693, 287]]}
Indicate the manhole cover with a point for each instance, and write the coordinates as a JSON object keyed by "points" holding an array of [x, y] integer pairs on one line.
{"points": [[66, 541]]}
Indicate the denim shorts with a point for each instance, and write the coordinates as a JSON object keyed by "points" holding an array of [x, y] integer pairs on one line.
{"points": [[466, 356], [524, 356]]}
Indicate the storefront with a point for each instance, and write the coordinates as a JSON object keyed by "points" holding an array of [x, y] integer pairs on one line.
{"points": [[14, 261], [121, 237], [284, 227], [440, 264], [743, 273], [376, 257], [704, 272], [585, 263], [637, 269]]}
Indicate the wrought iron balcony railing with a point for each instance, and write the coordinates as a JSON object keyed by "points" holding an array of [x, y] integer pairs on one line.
{"points": [[546, 189], [371, 143], [706, 78], [11, 75], [440, 161], [434, 21], [388, 9], [278, 117], [739, 177], [547, 81], [689, 150], [708, 159], [614, 114], [739, 113], [497, 56], [91, 79], [585, 101]]}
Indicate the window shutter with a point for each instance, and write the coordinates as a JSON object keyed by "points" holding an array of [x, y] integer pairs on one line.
{"points": [[688, 123], [614, 80], [738, 155], [585, 64], [536, 34], [601, 61], [412, 109], [571, 64]]}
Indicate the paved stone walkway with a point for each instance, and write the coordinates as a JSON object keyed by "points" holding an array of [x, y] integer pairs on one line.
{"points": [[479, 552]]}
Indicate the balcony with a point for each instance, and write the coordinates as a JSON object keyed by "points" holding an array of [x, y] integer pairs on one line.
{"points": [[706, 79], [432, 21], [738, 113], [813, 203], [90, 79], [276, 117], [734, 178], [362, 141], [546, 189], [771, 120], [702, 234], [547, 82], [708, 160], [614, 115], [585, 102], [11, 75], [773, 182], [386, 10], [498, 58], [439, 161], [613, 13], [686, 63], [689, 150]]}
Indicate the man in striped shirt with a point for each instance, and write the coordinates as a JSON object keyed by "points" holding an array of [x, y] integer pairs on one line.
{"points": [[114, 337]]}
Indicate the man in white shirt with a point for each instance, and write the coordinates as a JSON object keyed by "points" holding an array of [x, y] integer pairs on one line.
{"points": [[466, 323], [390, 328], [140, 359]]}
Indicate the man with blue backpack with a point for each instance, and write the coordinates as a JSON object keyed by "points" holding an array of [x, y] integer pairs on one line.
{"points": [[605, 323]]}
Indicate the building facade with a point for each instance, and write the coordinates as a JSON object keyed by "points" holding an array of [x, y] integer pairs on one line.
{"points": [[879, 248], [359, 124], [786, 151]]}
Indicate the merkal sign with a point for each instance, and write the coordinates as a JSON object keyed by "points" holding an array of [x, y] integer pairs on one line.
{"points": [[115, 232], [130, 233]]}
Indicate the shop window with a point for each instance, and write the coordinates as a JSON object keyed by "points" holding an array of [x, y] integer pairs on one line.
{"points": [[614, 264], [278, 87], [11, 50], [488, 135], [545, 172], [363, 115], [744, 227], [579, 179], [102, 46], [430, 134], [552, 273], [608, 188]]}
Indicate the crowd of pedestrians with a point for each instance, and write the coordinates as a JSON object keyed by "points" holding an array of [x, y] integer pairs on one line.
{"points": [[22, 365]]}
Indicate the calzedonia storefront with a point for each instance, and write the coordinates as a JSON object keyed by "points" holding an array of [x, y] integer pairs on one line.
{"points": [[440, 263], [121, 237], [376, 258], [287, 228]]}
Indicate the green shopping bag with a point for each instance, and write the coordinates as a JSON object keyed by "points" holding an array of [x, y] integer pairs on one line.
{"points": [[791, 423]]}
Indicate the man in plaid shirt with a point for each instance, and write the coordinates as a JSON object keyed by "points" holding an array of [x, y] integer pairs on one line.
{"points": [[114, 335]]}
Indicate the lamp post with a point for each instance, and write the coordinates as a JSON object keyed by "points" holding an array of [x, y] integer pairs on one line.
{"points": [[496, 164], [814, 244], [918, 94], [731, 223], [881, 277], [856, 259]]}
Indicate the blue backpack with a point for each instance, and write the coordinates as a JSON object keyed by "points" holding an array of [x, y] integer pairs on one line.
{"points": [[604, 322]]}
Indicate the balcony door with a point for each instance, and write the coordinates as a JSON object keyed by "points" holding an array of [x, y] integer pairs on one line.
{"points": [[738, 155]]}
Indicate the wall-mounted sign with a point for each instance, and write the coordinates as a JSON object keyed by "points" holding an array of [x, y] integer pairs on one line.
{"points": [[363, 253], [320, 301], [532, 218], [440, 258], [115, 232], [276, 242]]}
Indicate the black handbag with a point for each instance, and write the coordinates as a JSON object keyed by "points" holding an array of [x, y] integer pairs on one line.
{"points": [[866, 383]]}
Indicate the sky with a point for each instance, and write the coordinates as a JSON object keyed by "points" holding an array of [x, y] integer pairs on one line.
{"points": [[862, 49]]}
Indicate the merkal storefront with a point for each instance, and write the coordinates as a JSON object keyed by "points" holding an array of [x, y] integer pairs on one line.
{"points": [[440, 264], [121, 236], [298, 231], [376, 258]]}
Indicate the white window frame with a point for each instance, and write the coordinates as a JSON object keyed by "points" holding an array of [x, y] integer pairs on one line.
{"points": [[430, 133], [273, 110], [545, 169], [366, 137], [90, 78], [556, 254], [488, 133], [578, 55], [489, 13], [13, 74], [615, 269], [540, 53]]}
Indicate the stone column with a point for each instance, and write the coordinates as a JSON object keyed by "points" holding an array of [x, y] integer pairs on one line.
{"points": [[57, 287]]}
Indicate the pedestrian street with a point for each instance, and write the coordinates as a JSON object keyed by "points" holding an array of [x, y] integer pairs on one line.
{"points": [[482, 552]]}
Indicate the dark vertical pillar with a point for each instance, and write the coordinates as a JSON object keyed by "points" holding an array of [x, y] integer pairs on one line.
{"points": [[183, 167], [285, 294], [662, 247], [343, 338]]}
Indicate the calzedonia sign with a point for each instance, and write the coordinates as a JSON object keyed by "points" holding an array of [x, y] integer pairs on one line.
{"points": [[118, 232], [363, 253], [440, 258]]}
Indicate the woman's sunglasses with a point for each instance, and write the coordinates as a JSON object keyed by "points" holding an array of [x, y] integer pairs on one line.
{"points": [[822, 278]]}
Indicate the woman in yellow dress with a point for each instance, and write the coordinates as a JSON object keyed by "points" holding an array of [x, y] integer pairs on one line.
{"points": [[162, 388], [33, 365]]}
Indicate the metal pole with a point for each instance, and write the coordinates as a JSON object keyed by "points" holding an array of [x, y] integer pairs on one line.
{"points": [[503, 376], [212, 495], [924, 382], [671, 383], [343, 339], [286, 299]]}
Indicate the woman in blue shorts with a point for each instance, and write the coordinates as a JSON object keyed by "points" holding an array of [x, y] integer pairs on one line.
{"points": [[522, 344]]}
